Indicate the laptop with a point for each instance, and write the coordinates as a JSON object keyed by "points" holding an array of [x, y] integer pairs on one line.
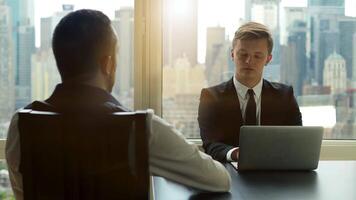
{"points": [[279, 148]]}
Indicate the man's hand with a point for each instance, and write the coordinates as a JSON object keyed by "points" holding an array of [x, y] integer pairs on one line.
{"points": [[235, 154]]}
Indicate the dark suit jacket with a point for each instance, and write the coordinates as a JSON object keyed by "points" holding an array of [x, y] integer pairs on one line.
{"points": [[220, 115]]}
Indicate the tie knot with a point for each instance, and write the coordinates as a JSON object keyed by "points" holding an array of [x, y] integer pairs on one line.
{"points": [[250, 92]]}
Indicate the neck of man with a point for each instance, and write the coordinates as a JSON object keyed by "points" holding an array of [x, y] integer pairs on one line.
{"points": [[248, 82], [100, 85], [94, 82]]}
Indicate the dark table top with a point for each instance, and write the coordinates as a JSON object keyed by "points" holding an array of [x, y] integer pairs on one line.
{"points": [[332, 180]]}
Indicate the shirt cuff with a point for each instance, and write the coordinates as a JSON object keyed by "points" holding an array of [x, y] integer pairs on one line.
{"points": [[228, 155]]}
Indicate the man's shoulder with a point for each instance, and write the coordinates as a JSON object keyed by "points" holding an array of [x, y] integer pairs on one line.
{"points": [[105, 107], [276, 87], [40, 106], [217, 90]]}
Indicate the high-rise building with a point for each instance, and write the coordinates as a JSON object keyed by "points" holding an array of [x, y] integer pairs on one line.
{"points": [[335, 73], [181, 91], [272, 72], [23, 36], [46, 32], [183, 78], [180, 31], [354, 59], [293, 57], [332, 3], [44, 74], [347, 27], [124, 27], [324, 33], [215, 36], [289, 70], [353, 90], [354, 72], [267, 13], [22, 12], [216, 50], [48, 24], [291, 14], [7, 84], [248, 10], [25, 49]]}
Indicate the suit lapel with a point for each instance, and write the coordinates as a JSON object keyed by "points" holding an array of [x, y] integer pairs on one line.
{"points": [[232, 102], [267, 104]]}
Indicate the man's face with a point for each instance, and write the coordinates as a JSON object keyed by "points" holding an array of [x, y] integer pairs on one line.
{"points": [[250, 57]]}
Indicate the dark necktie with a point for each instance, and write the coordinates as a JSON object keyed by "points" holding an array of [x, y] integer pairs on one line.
{"points": [[251, 109]]}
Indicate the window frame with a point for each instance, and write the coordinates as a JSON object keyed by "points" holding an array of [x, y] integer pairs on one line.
{"points": [[148, 55]]}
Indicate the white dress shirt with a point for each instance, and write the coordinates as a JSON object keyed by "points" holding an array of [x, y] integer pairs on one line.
{"points": [[170, 156], [243, 96]]}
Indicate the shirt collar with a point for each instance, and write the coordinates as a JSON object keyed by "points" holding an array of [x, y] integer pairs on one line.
{"points": [[81, 92], [241, 89]]}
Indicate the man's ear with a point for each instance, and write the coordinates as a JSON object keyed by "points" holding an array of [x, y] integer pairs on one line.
{"points": [[232, 54], [269, 58], [105, 65]]}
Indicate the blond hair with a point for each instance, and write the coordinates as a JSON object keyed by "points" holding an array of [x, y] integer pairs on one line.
{"points": [[251, 31]]}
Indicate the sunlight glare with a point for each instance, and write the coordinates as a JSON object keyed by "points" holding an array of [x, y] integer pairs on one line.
{"points": [[324, 116], [181, 7]]}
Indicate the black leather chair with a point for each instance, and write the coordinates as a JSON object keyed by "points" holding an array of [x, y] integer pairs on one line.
{"points": [[84, 156]]}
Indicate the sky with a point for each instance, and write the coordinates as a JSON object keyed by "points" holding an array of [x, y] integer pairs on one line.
{"points": [[225, 13], [52, 6]]}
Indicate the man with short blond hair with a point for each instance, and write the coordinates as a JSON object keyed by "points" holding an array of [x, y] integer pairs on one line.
{"points": [[253, 30], [247, 98]]}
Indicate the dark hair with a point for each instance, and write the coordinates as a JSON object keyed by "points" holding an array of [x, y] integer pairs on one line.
{"points": [[79, 41]]}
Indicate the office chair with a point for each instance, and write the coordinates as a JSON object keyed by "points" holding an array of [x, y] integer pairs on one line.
{"points": [[84, 156]]}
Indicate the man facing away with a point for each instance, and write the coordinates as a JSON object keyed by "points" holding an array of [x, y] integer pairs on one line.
{"points": [[247, 98], [84, 46]]}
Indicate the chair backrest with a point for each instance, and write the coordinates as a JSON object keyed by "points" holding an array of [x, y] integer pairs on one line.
{"points": [[84, 156]]}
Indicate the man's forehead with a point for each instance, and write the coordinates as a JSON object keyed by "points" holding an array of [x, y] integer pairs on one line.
{"points": [[249, 41], [260, 44]]}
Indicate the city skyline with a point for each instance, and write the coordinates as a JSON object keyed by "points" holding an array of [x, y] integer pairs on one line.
{"points": [[206, 18]]}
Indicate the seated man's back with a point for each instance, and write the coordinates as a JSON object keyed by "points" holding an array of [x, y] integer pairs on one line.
{"points": [[84, 45], [83, 155]]}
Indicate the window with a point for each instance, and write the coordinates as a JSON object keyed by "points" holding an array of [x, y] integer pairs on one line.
{"points": [[28, 70], [5, 185], [191, 45], [27, 67], [314, 51]]}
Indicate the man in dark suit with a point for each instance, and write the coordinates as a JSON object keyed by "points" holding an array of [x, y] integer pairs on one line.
{"points": [[247, 98]]}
